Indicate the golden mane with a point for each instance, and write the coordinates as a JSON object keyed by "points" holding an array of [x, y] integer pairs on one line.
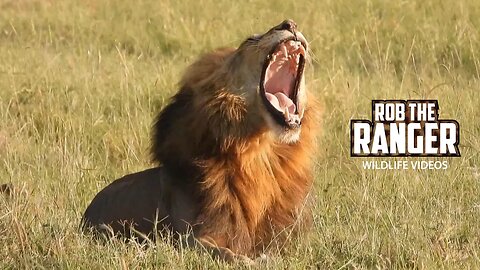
{"points": [[253, 184]]}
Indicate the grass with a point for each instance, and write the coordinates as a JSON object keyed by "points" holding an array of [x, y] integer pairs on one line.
{"points": [[81, 82]]}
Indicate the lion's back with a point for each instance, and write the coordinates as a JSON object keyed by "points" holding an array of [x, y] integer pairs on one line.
{"points": [[140, 199]]}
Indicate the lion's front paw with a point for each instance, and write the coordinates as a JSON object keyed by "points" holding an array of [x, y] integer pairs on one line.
{"points": [[244, 260]]}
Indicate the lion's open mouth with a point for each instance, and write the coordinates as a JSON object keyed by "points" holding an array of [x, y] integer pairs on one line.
{"points": [[281, 76]]}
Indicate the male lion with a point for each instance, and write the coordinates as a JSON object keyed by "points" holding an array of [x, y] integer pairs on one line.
{"points": [[235, 145]]}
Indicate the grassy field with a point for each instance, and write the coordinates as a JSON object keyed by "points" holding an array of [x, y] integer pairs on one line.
{"points": [[81, 82]]}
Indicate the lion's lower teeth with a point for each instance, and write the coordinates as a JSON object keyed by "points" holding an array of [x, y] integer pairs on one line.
{"points": [[286, 114], [294, 119], [302, 111]]}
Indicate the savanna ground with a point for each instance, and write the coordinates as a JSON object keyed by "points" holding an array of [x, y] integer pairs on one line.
{"points": [[81, 82]]}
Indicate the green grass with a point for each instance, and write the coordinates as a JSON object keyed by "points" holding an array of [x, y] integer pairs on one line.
{"points": [[81, 82]]}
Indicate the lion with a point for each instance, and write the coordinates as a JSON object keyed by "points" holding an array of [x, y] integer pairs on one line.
{"points": [[235, 149]]}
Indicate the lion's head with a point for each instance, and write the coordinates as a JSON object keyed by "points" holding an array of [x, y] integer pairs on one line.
{"points": [[229, 96], [270, 68]]}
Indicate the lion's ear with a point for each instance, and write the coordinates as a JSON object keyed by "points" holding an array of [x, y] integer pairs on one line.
{"points": [[200, 71]]}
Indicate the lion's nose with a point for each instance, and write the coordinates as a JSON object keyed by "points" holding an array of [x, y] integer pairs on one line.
{"points": [[289, 25]]}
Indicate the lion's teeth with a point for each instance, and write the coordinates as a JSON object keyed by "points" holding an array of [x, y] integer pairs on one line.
{"points": [[302, 111], [286, 113], [301, 50], [284, 49]]}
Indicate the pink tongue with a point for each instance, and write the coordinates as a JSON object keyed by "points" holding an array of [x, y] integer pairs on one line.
{"points": [[280, 101]]}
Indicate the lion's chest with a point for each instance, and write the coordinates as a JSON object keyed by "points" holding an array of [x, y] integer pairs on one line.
{"points": [[268, 203]]}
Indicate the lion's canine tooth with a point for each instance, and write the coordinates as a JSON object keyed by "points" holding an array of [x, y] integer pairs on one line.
{"points": [[286, 113], [302, 111], [284, 50], [301, 50]]}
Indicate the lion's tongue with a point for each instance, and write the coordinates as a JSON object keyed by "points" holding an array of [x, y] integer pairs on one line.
{"points": [[280, 101]]}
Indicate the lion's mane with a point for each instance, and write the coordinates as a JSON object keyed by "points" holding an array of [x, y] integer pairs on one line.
{"points": [[250, 187]]}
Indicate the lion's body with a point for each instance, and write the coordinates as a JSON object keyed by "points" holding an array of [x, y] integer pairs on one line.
{"points": [[223, 171], [142, 198]]}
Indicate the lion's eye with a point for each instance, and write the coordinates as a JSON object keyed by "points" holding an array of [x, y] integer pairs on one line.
{"points": [[255, 37]]}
